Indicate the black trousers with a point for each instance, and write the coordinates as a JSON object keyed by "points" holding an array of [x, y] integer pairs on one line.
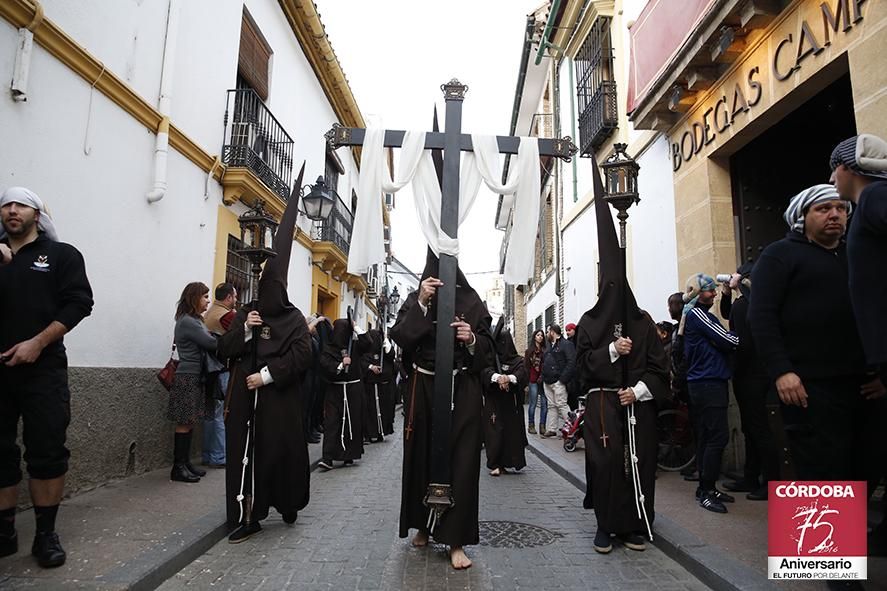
{"points": [[825, 439], [709, 399], [761, 455], [40, 397]]}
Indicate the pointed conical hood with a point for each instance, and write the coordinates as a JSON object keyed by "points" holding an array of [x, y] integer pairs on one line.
{"points": [[609, 304], [612, 313], [273, 297]]}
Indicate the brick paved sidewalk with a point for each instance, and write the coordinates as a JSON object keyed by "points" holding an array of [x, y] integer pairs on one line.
{"points": [[347, 539]]}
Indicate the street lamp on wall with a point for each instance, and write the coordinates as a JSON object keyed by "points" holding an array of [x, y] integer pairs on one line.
{"points": [[621, 184], [318, 200]]}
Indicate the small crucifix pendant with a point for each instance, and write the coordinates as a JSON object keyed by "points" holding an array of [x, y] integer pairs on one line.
{"points": [[493, 418], [408, 431], [604, 439]]}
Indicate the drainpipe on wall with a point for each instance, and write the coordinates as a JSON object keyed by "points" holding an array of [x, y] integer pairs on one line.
{"points": [[22, 67], [161, 145]]}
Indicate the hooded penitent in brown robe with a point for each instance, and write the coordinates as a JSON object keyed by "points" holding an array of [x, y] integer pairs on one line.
{"points": [[611, 491], [343, 403], [414, 332], [378, 388], [281, 468], [504, 434]]}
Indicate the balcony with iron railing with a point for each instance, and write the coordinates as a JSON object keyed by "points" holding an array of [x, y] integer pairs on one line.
{"points": [[336, 228], [255, 139], [599, 118]]}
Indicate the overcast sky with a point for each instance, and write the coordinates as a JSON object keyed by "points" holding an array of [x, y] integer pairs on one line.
{"points": [[397, 53]]}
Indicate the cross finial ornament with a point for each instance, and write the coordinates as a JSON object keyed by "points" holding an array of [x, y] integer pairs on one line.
{"points": [[454, 90]]}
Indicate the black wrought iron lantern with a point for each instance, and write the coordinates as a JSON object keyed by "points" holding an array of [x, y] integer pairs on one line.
{"points": [[257, 228], [394, 298], [319, 200], [621, 179]]}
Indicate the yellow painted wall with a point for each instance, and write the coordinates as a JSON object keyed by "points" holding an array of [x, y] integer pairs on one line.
{"points": [[227, 224]]}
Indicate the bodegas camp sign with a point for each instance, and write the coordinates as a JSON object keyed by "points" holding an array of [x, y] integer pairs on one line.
{"points": [[790, 54]]}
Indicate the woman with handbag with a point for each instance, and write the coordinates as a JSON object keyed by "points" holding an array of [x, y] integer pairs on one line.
{"points": [[189, 402]]}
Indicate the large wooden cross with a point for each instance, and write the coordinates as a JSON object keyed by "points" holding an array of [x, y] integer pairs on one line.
{"points": [[452, 141]]}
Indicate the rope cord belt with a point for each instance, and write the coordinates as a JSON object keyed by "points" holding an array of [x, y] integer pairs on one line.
{"points": [[378, 408], [247, 461], [346, 413], [631, 420]]}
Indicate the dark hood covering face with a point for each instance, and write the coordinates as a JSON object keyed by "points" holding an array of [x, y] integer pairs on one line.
{"points": [[342, 333], [282, 321], [506, 352], [432, 269], [273, 296], [599, 325]]}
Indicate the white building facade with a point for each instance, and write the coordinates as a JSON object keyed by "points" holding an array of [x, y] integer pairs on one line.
{"points": [[243, 93]]}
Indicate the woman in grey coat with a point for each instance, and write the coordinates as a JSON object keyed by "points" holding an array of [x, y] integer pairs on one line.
{"points": [[189, 403]]}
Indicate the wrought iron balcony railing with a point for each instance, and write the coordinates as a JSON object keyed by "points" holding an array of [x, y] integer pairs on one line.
{"points": [[255, 139], [599, 118], [336, 228]]}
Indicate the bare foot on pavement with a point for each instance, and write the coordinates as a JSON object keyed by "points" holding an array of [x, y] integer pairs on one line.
{"points": [[420, 539], [458, 558]]}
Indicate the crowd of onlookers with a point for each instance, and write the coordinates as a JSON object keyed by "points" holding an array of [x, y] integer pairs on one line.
{"points": [[804, 350]]}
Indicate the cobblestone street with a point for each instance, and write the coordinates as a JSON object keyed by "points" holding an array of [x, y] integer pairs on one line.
{"points": [[347, 539]]}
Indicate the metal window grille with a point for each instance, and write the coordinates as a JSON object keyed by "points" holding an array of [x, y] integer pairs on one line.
{"points": [[538, 322], [530, 332], [596, 88], [549, 315], [237, 269], [331, 174], [256, 140]]}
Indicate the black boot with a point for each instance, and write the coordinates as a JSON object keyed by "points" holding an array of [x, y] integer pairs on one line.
{"points": [[8, 536], [188, 464], [244, 532], [48, 549], [180, 472]]}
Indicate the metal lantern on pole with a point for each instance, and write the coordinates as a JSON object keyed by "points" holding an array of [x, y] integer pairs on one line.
{"points": [[621, 192], [319, 200], [257, 229], [621, 185]]}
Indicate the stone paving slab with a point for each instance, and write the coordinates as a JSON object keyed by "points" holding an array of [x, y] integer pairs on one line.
{"points": [[129, 534], [726, 551], [347, 539]]}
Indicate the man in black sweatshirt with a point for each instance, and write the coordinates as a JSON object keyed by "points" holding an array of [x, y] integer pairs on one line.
{"points": [[44, 293], [803, 326]]}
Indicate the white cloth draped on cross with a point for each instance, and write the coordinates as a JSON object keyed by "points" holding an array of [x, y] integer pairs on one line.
{"points": [[416, 165]]}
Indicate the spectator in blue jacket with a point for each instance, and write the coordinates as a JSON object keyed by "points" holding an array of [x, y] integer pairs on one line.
{"points": [[707, 345]]}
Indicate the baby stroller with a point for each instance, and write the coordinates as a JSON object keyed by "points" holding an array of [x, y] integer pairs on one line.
{"points": [[572, 430]]}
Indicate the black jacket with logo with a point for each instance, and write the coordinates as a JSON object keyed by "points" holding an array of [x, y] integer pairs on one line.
{"points": [[45, 282]]}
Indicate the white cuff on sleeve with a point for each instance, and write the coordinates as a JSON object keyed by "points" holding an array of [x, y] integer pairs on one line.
{"points": [[614, 355], [266, 376], [642, 392], [247, 333], [422, 307], [494, 378], [387, 346], [513, 379], [359, 330]]}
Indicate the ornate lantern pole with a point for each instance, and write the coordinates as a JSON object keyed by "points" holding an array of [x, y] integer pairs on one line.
{"points": [[621, 192]]}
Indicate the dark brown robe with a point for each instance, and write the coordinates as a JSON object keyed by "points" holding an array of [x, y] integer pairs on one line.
{"points": [[282, 470], [610, 492], [414, 332], [343, 433], [378, 389], [505, 436]]}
